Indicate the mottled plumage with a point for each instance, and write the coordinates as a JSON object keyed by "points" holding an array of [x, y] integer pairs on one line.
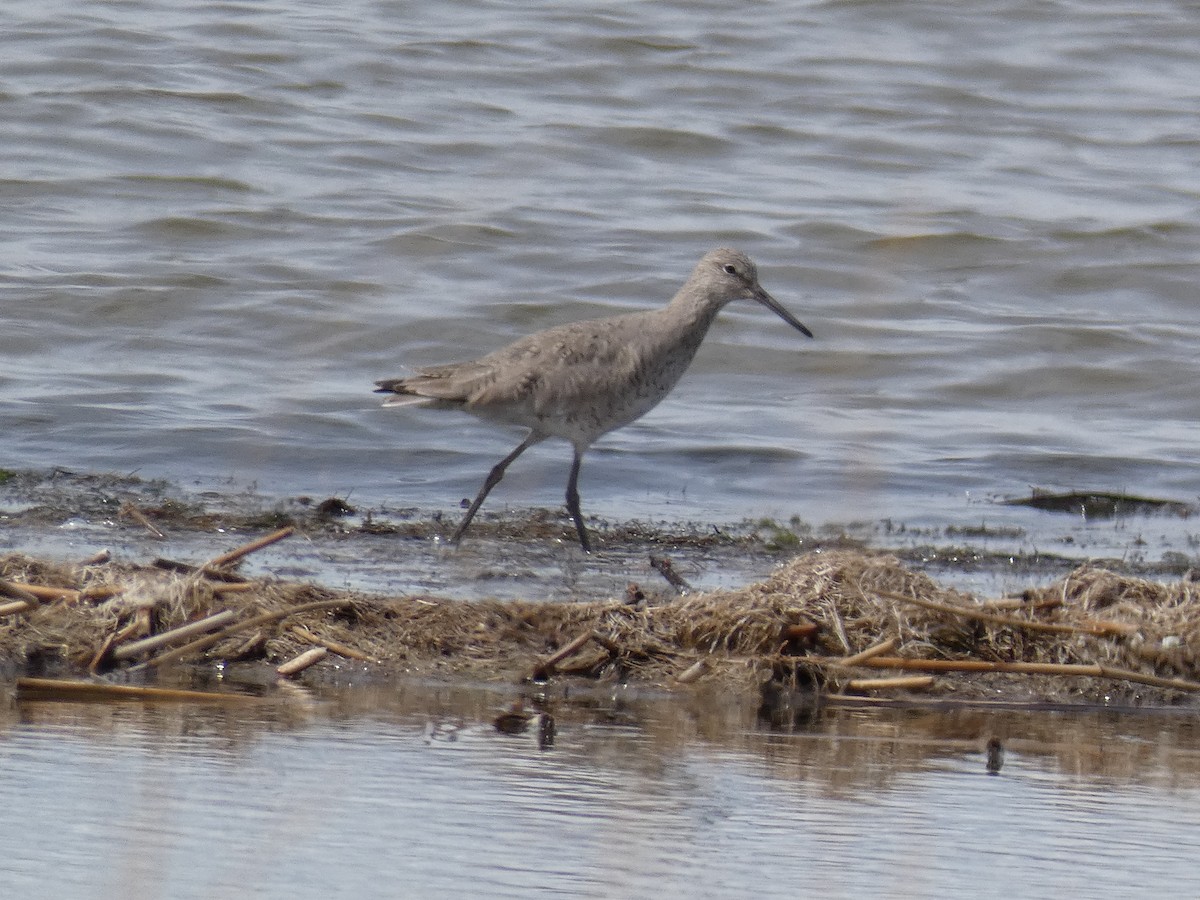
{"points": [[581, 380]]}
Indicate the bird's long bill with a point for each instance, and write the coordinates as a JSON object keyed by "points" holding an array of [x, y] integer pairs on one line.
{"points": [[776, 307]]}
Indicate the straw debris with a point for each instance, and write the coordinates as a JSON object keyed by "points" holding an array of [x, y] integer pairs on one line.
{"points": [[830, 623]]}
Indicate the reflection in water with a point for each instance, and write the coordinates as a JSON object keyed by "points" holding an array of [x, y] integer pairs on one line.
{"points": [[358, 789], [995, 756]]}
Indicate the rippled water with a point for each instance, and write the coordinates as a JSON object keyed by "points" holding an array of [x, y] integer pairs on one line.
{"points": [[223, 220], [410, 791]]}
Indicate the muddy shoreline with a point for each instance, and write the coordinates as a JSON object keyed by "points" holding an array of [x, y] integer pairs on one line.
{"points": [[826, 626], [532, 553], [782, 612]]}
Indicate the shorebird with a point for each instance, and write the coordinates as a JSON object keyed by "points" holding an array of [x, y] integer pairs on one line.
{"points": [[581, 380]]}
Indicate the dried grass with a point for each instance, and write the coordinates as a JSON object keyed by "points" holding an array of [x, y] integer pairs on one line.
{"points": [[746, 637]]}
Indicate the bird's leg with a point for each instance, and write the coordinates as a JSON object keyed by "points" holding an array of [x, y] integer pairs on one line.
{"points": [[573, 501], [491, 481]]}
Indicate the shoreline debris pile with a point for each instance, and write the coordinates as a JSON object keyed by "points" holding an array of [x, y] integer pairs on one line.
{"points": [[837, 626]]}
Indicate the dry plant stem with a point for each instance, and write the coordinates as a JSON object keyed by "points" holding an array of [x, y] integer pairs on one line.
{"points": [[248, 646], [53, 689], [233, 587], [246, 549], [546, 668], [899, 683], [838, 628], [878, 650], [218, 580], [145, 645], [99, 657], [128, 509], [44, 592], [19, 592], [17, 606], [102, 659], [1093, 670], [340, 649], [1095, 628], [298, 664], [800, 632], [1107, 629], [607, 643], [99, 592], [207, 641]]}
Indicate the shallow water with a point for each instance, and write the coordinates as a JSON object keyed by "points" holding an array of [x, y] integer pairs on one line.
{"points": [[408, 790], [222, 222]]}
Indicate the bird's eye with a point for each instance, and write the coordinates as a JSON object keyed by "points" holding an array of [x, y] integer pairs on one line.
{"points": [[730, 268]]}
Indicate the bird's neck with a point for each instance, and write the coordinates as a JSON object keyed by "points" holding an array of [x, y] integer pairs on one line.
{"points": [[690, 314], [685, 323]]}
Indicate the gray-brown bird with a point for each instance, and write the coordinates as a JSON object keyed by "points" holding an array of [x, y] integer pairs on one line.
{"points": [[584, 379]]}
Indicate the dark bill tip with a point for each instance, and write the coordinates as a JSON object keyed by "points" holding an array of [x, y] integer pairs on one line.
{"points": [[778, 308]]}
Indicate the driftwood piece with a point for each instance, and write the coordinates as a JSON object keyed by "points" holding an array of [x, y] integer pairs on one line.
{"points": [[201, 626], [55, 689], [898, 683], [877, 650], [298, 664], [233, 587], [16, 606], [101, 656], [545, 668], [340, 649], [182, 568], [19, 592], [266, 618], [245, 550], [99, 592], [102, 659], [45, 592]]}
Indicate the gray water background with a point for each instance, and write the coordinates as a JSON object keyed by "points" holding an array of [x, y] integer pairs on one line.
{"points": [[221, 221], [408, 791]]}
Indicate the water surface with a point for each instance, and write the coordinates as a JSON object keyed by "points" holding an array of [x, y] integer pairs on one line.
{"points": [[222, 222], [408, 790]]}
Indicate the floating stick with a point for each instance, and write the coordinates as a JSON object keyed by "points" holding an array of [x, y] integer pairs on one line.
{"points": [[54, 689]]}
